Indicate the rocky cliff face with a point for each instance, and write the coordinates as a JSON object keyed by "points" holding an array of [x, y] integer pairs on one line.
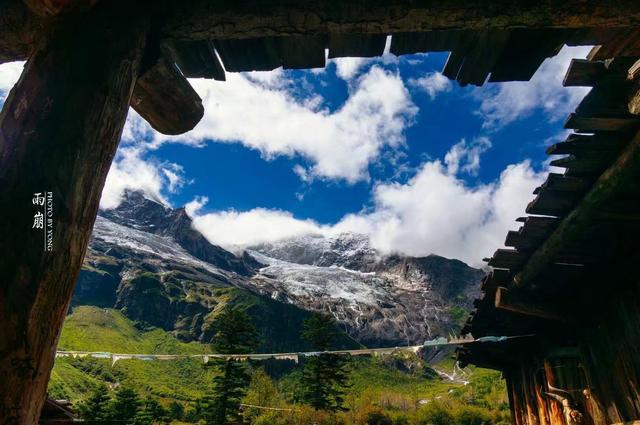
{"points": [[148, 261], [380, 300]]}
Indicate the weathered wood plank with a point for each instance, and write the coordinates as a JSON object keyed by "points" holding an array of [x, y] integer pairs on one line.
{"points": [[524, 52], [586, 123], [510, 300], [482, 55], [252, 54], [581, 144], [561, 183], [427, 41], [625, 42], [507, 259], [356, 45], [553, 203], [582, 72], [202, 18], [301, 52], [166, 100], [196, 59], [618, 178], [586, 165], [59, 130]]}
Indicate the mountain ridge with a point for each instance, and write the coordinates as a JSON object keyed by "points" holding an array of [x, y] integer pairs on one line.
{"points": [[147, 260]]}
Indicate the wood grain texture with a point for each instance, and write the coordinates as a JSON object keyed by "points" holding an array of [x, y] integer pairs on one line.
{"points": [[59, 130]]}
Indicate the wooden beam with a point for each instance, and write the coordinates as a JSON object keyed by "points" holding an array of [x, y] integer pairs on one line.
{"points": [[203, 19], [59, 130], [166, 100], [620, 177], [510, 300]]}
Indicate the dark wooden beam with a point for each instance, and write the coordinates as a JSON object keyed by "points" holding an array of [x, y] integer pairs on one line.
{"points": [[164, 98], [59, 130], [203, 19], [510, 300]]}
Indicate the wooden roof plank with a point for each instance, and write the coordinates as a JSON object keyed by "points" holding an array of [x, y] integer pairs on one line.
{"points": [[553, 203], [587, 123], [625, 42], [426, 41], [620, 177], [482, 55], [303, 52], [524, 52], [356, 45], [583, 73], [507, 259], [251, 54], [587, 143], [196, 59]]}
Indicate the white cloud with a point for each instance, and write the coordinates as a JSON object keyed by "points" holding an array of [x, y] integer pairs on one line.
{"points": [[9, 75], [339, 144], [233, 229], [504, 103], [434, 212], [130, 170], [347, 68], [465, 157], [433, 83]]}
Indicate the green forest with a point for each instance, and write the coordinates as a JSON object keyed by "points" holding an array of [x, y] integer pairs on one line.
{"points": [[396, 389]]}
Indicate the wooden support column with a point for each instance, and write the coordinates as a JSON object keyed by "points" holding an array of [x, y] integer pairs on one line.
{"points": [[59, 130]]}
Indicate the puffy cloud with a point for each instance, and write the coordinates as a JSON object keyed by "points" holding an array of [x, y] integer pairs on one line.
{"points": [[347, 68], [350, 67], [9, 75], [269, 117], [433, 83], [433, 212], [465, 157], [504, 103], [233, 229], [132, 171]]}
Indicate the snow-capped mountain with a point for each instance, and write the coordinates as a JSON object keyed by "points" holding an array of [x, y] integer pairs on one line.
{"points": [[147, 260], [395, 299]]}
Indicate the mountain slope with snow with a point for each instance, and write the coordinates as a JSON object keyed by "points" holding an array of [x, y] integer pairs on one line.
{"points": [[147, 260], [393, 299]]}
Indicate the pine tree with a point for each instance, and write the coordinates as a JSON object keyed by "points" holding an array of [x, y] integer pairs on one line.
{"points": [[325, 376], [176, 411], [125, 405], [235, 334], [151, 412], [95, 407]]}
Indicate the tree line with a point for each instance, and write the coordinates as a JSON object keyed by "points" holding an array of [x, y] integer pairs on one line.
{"points": [[324, 379]]}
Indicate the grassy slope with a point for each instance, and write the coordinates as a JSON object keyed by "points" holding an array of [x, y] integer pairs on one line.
{"points": [[95, 329]]}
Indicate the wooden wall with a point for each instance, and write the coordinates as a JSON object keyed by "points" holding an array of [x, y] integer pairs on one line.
{"points": [[600, 372]]}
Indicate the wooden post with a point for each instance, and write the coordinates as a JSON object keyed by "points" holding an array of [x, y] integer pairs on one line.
{"points": [[59, 130]]}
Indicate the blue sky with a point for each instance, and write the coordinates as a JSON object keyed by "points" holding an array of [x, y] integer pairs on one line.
{"points": [[386, 146]]}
